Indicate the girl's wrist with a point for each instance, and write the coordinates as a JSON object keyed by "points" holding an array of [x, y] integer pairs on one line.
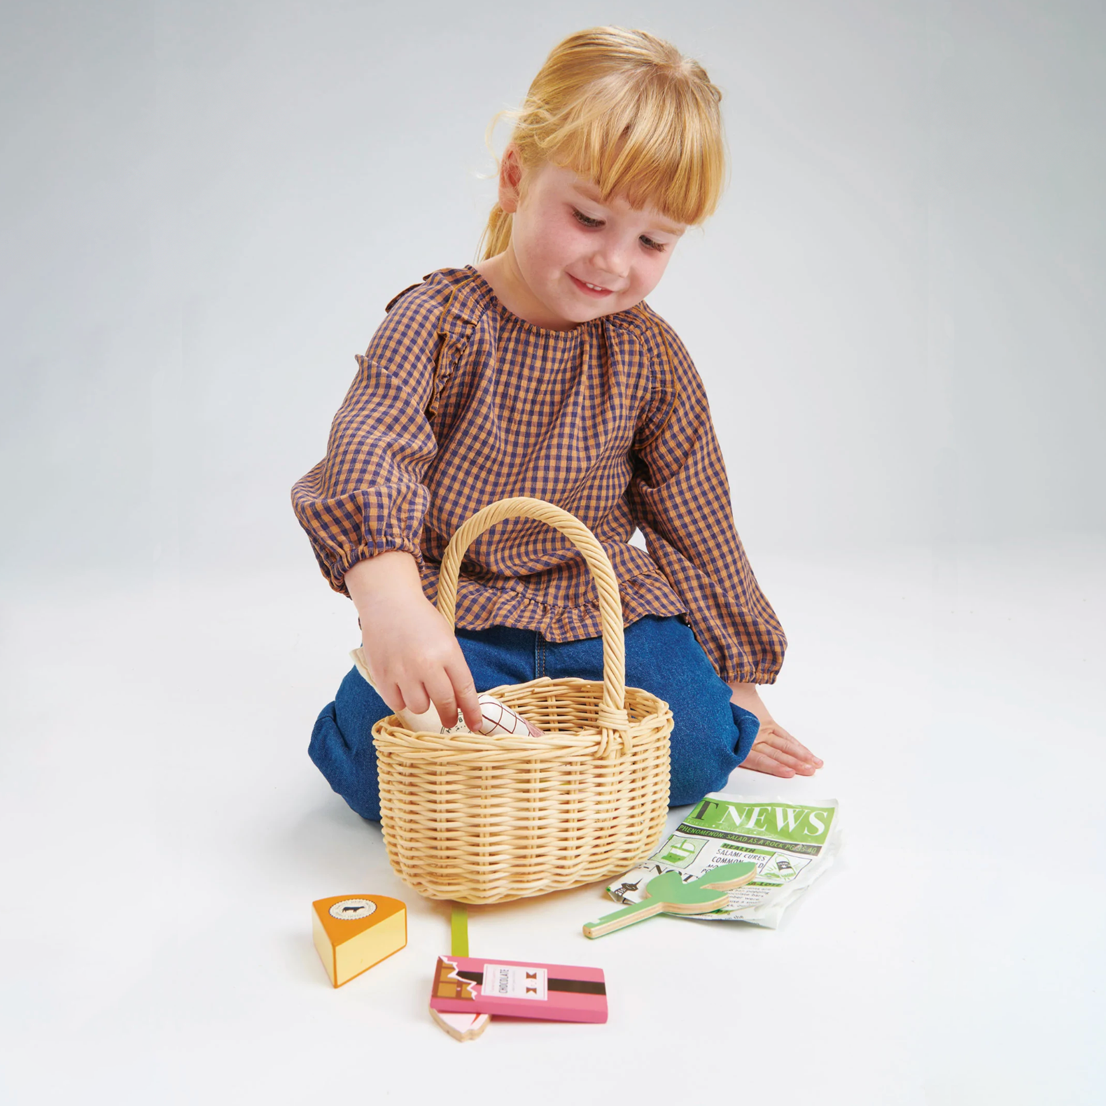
{"points": [[748, 697], [387, 580]]}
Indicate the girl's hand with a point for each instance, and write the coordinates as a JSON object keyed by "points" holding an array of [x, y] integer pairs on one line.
{"points": [[775, 751], [414, 658]]}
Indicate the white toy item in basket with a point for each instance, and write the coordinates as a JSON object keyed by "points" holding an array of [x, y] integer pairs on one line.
{"points": [[480, 819]]}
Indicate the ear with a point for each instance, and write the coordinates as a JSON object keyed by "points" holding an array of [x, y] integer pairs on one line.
{"points": [[510, 180]]}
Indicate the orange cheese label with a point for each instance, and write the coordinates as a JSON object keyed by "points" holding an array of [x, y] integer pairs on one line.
{"points": [[344, 917]]}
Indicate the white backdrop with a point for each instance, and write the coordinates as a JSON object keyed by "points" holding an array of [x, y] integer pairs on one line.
{"points": [[204, 208], [898, 315]]}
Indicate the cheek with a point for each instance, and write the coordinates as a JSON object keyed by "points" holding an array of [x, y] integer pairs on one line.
{"points": [[652, 269], [565, 242], [544, 243]]}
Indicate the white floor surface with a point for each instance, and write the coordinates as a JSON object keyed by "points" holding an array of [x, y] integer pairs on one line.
{"points": [[163, 835]]}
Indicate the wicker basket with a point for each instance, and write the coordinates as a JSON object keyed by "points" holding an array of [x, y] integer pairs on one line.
{"points": [[484, 819]]}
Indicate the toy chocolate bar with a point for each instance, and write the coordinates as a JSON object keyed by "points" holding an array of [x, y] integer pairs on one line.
{"points": [[461, 1027], [553, 992]]}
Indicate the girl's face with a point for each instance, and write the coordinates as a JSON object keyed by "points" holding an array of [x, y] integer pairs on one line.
{"points": [[572, 257]]}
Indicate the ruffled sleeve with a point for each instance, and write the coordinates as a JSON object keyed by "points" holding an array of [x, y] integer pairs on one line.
{"points": [[679, 497], [366, 496]]}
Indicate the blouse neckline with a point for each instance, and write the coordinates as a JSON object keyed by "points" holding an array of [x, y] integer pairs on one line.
{"points": [[487, 294]]}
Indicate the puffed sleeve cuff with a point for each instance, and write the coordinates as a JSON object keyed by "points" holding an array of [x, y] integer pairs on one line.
{"points": [[730, 617], [362, 524], [754, 655], [753, 676]]}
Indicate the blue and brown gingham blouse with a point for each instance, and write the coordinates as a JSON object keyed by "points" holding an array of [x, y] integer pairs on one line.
{"points": [[458, 403]]}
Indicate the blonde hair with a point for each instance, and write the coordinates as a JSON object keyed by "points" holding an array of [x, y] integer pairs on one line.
{"points": [[629, 112]]}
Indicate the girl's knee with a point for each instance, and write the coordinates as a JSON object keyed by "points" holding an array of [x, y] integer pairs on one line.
{"points": [[706, 748], [711, 735], [341, 744]]}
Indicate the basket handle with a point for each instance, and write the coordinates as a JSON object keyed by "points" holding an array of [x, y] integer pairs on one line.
{"points": [[613, 718]]}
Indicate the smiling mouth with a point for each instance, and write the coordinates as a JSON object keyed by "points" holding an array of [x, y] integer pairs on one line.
{"points": [[592, 289]]}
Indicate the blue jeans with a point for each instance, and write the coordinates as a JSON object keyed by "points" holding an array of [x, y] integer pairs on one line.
{"points": [[710, 735]]}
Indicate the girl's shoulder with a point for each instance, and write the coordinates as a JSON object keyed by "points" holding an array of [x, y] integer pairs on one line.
{"points": [[442, 289], [646, 322], [423, 318], [664, 350]]}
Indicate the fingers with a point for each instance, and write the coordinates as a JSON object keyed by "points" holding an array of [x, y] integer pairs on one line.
{"points": [[440, 692], [434, 690], [776, 753], [758, 761], [781, 740], [789, 744], [467, 700], [453, 695], [450, 690], [414, 697], [794, 765]]}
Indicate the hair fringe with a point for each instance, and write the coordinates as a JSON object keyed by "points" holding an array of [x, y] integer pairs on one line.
{"points": [[627, 111]]}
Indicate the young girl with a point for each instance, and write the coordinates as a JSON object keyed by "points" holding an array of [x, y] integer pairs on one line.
{"points": [[541, 372]]}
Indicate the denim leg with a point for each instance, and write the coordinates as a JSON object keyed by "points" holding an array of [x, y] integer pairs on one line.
{"points": [[342, 744], [710, 736], [341, 741]]}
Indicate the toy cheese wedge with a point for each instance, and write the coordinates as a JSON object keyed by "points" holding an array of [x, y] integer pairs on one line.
{"points": [[552, 992], [354, 932]]}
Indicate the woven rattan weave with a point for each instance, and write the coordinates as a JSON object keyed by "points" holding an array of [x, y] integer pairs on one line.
{"points": [[484, 819]]}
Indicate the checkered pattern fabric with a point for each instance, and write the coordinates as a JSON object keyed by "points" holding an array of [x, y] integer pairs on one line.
{"points": [[458, 403]]}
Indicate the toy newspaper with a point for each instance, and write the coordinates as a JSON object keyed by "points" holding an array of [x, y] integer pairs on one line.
{"points": [[792, 844]]}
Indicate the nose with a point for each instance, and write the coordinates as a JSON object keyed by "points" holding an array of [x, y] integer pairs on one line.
{"points": [[612, 257]]}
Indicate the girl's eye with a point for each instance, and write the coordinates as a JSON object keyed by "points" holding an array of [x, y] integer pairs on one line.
{"points": [[586, 220], [649, 244]]}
